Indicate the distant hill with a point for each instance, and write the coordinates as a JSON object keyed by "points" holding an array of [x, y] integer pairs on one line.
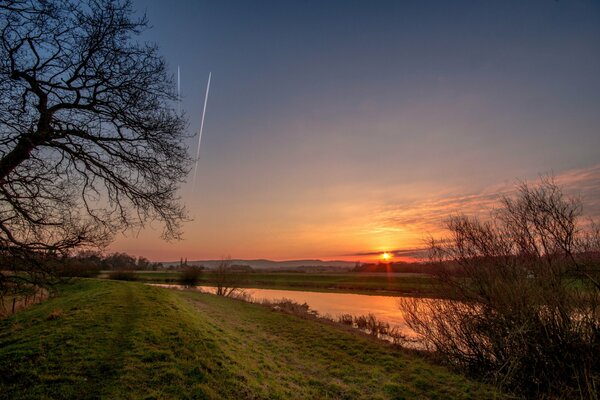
{"points": [[269, 264]]}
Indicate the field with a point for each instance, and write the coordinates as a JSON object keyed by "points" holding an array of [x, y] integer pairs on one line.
{"points": [[107, 339], [343, 282]]}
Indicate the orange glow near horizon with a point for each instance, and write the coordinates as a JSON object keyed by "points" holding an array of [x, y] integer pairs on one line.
{"points": [[351, 224]]}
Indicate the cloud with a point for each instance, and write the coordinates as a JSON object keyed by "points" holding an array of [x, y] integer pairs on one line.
{"points": [[428, 214], [419, 219], [405, 253], [584, 182]]}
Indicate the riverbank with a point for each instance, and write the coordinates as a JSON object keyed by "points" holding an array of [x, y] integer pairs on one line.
{"points": [[105, 339], [330, 305], [393, 284]]}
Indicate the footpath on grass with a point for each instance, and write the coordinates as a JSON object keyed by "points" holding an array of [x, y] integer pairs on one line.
{"points": [[124, 340]]}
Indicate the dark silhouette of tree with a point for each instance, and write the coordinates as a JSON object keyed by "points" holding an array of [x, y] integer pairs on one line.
{"points": [[90, 143], [524, 299], [143, 263], [226, 280], [119, 262]]}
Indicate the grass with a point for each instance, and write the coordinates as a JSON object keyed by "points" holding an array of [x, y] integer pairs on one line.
{"points": [[17, 302], [124, 340], [342, 282]]}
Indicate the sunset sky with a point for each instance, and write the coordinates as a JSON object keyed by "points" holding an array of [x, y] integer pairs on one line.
{"points": [[342, 129]]}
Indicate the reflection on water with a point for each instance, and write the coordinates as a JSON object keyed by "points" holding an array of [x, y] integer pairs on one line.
{"points": [[385, 308]]}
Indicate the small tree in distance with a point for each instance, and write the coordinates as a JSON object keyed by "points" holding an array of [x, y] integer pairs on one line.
{"points": [[190, 276], [226, 280], [524, 299], [89, 140]]}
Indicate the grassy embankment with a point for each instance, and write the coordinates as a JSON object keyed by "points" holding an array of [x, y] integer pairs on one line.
{"points": [[342, 282], [104, 339]]}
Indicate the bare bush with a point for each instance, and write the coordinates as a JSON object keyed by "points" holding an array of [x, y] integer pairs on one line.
{"points": [[346, 319], [371, 324], [190, 277], [226, 280], [524, 308], [123, 276], [397, 337], [290, 307]]}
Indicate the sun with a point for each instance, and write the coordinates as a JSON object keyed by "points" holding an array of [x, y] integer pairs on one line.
{"points": [[386, 256]]}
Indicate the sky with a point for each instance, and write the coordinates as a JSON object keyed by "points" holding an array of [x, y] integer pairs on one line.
{"points": [[342, 129]]}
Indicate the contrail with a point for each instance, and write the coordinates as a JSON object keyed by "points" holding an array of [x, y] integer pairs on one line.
{"points": [[178, 90], [201, 128]]}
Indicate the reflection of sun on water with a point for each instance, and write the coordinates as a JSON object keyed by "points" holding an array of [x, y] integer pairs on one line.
{"points": [[386, 256]]}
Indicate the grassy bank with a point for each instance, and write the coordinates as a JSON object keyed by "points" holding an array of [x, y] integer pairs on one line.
{"points": [[343, 282], [104, 339]]}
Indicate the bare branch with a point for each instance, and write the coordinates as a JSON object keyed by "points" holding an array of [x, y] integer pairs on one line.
{"points": [[90, 143]]}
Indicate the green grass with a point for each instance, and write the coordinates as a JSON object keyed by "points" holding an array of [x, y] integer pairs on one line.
{"points": [[117, 340], [343, 282]]}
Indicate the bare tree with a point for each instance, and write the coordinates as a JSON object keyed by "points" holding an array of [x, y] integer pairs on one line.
{"points": [[524, 307], [226, 280], [89, 140]]}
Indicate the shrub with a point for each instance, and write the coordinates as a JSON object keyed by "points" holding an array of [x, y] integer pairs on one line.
{"points": [[74, 268], [290, 307], [371, 324], [346, 319], [190, 277], [123, 276], [525, 300]]}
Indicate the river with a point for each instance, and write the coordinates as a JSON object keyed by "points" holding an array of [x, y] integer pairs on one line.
{"points": [[385, 308]]}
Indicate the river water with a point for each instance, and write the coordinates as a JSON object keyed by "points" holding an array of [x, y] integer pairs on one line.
{"points": [[385, 308]]}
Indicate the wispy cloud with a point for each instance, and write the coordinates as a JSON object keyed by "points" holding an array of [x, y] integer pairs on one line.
{"points": [[415, 253], [584, 182], [420, 219]]}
